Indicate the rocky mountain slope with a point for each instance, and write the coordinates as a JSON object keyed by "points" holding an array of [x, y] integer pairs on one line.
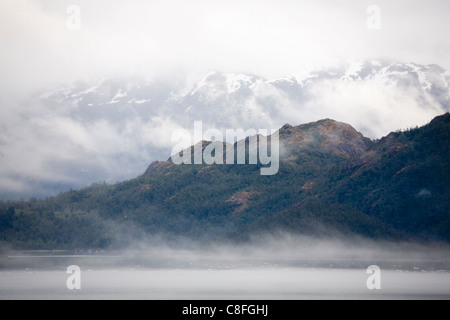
{"points": [[332, 181]]}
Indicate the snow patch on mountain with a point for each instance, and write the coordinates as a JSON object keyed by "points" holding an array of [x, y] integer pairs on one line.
{"points": [[119, 95], [353, 72], [136, 101]]}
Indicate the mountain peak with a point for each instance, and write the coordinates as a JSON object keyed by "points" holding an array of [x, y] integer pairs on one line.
{"points": [[445, 118], [326, 135], [287, 126]]}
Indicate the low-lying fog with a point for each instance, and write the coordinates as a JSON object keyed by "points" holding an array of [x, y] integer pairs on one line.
{"points": [[280, 250], [284, 267]]}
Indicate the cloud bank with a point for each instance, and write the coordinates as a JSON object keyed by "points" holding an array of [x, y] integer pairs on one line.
{"points": [[271, 38]]}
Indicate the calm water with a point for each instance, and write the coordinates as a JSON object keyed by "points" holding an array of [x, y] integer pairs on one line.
{"points": [[261, 282]]}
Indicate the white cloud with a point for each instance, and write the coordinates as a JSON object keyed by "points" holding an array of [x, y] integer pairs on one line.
{"points": [[53, 148], [267, 37], [371, 107]]}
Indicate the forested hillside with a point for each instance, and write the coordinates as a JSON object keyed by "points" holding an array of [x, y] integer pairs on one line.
{"points": [[332, 180]]}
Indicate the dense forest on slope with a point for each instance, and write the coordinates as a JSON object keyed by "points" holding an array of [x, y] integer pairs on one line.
{"points": [[332, 180]]}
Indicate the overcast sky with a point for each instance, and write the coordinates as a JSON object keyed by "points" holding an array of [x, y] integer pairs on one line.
{"points": [[43, 48], [266, 37]]}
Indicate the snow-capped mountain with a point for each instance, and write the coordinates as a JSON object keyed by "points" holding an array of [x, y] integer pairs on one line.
{"points": [[110, 129], [246, 100]]}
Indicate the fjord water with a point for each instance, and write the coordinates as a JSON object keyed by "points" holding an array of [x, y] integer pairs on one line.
{"points": [[44, 276], [211, 284]]}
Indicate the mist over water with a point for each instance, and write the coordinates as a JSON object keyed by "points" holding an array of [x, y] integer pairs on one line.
{"points": [[285, 267], [279, 249]]}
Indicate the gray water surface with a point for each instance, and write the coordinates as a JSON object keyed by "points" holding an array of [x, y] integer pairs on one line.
{"points": [[212, 284]]}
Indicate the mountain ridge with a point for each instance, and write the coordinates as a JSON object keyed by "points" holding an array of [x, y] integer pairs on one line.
{"points": [[324, 134], [394, 188]]}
